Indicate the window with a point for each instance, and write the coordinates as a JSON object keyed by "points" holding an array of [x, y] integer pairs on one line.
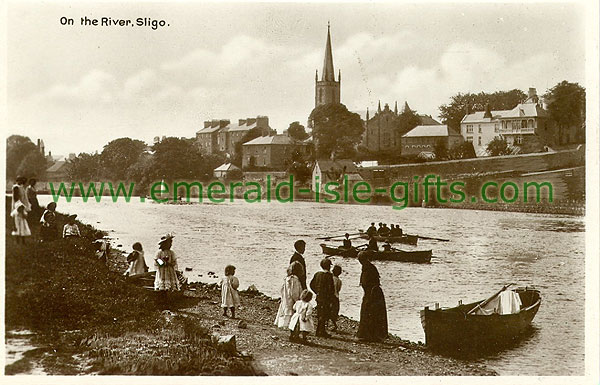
{"points": [[470, 139], [469, 128], [523, 124], [480, 128], [519, 139], [496, 127], [479, 141], [530, 123]]}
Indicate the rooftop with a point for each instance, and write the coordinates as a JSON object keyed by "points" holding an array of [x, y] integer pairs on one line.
{"points": [[274, 139], [522, 110], [429, 130]]}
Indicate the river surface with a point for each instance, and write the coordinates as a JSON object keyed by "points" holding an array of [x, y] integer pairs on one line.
{"points": [[487, 250]]}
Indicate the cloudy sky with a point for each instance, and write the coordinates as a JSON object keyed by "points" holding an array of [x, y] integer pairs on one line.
{"points": [[78, 87]]}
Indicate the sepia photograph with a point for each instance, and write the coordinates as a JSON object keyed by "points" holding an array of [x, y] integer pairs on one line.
{"points": [[349, 189]]}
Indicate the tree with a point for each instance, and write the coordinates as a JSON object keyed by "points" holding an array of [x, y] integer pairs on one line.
{"points": [[120, 154], [335, 130], [463, 150], [440, 150], [498, 146], [299, 166], [453, 112], [85, 167], [178, 159], [17, 148], [566, 106], [406, 121], [33, 165], [297, 131]]}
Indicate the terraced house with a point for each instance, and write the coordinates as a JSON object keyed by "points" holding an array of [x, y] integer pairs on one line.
{"points": [[221, 136]]}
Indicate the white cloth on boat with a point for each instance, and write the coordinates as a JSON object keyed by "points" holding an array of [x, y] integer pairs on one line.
{"points": [[507, 302]]}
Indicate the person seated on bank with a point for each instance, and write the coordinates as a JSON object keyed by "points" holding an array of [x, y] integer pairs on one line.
{"points": [[372, 230], [49, 229], [373, 244], [71, 230], [347, 242]]}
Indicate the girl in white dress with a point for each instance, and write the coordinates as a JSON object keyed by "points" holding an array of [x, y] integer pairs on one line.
{"points": [[302, 321], [165, 263], [21, 227], [230, 298], [290, 293], [137, 263]]}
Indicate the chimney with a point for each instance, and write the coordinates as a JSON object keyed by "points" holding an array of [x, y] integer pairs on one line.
{"points": [[488, 112], [223, 123], [262, 122], [532, 92], [206, 123], [250, 121], [214, 123], [467, 109], [156, 139], [241, 122], [72, 156]]}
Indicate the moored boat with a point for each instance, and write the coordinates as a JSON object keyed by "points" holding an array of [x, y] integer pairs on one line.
{"points": [[419, 256], [472, 327], [405, 239]]}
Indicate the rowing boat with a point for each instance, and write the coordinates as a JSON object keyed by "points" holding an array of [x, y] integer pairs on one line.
{"points": [[405, 239], [420, 256], [463, 329]]}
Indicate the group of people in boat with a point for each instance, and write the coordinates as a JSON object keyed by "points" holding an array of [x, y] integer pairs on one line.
{"points": [[384, 231], [295, 309]]}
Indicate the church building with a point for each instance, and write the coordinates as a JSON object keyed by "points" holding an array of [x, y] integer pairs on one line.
{"points": [[327, 90]]}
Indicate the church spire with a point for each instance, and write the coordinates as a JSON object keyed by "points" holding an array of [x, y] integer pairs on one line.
{"points": [[367, 114], [328, 72], [406, 107], [396, 108], [379, 107]]}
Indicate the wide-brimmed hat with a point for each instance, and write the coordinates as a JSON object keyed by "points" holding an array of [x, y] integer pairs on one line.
{"points": [[165, 238]]}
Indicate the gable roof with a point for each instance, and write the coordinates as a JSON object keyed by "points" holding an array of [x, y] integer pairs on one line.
{"points": [[427, 120], [226, 167], [274, 139], [429, 131], [57, 166], [521, 110], [327, 165]]}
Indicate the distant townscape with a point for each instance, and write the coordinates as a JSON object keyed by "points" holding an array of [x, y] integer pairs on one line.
{"points": [[375, 145]]}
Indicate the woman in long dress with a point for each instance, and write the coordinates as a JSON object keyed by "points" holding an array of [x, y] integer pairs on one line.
{"points": [[290, 293], [21, 227], [165, 263], [373, 324]]}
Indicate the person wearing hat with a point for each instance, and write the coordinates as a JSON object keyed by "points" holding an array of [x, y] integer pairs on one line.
{"points": [[373, 324], [49, 229], [71, 230], [372, 230], [165, 263], [347, 242]]}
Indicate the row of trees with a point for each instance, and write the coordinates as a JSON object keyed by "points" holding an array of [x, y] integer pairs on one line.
{"points": [[23, 157]]}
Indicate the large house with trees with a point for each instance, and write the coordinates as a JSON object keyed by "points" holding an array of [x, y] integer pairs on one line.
{"points": [[526, 127], [221, 135], [272, 152]]}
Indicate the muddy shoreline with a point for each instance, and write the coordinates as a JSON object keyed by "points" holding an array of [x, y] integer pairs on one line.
{"points": [[86, 318]]}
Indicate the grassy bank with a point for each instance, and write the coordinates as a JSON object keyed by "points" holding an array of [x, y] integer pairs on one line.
{"points": [[88, 319]]}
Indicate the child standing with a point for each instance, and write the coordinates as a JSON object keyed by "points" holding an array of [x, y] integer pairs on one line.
{"points": [[230, 298], [137, 263], [302, 321], [21, 227], [337, 286]]}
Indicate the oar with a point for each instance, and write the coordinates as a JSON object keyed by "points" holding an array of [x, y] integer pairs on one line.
{"points": [[489, 299], [431, 238], [336, 236]]}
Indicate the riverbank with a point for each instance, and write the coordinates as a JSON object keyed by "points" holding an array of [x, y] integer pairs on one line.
{"points": [[86, 318]]}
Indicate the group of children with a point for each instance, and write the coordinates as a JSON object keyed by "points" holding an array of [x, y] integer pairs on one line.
{"points": [[295, 310]]}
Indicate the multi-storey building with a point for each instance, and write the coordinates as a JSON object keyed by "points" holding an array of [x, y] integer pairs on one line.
{"points": [[222, 135], [272, 152], [526, 127], [425, 138]]}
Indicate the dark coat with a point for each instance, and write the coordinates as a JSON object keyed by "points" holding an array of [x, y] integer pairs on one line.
{"points": [[297, 257], [373, 324], [322, 285]]}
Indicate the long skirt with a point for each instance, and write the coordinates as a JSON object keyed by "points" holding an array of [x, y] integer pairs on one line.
{"points": [[373, 324]]}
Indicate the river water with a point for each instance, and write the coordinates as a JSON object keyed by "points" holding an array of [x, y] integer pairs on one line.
{"points": [[487, 250]]}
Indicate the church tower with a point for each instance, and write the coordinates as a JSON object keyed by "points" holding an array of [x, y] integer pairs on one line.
{"points": [[327, 90]]}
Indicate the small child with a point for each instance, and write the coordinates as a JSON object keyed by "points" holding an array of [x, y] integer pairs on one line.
{"points": [[337, 285], [71, 230], [230, 298], [302, 321], [137, 263], [21, 227]]}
